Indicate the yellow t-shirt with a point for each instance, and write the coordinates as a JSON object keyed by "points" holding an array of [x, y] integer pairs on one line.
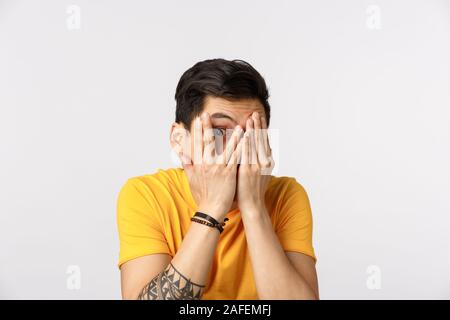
{"points": [[153, 216]]}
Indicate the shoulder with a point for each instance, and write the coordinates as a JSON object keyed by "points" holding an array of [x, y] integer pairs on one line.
{"points": [[152, 187], [162, 178], [286, 192], [285, 185]]}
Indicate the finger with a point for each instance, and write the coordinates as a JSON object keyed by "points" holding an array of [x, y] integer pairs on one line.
{"points": [[184, 158], [252, 155], [231, 145], [186, 162], [198, 141], [265, 135], [237, 154], [270, 149], [245, 149], [259, 142], [209, 144]]}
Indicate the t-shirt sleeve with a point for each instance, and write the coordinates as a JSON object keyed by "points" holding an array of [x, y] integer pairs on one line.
{"points": [[295, 225], [140, 229]]}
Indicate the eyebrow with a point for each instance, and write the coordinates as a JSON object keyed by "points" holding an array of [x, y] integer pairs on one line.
{"points": [[219, 115]]}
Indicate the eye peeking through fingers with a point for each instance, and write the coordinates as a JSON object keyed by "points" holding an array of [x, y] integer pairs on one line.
{"points": [[219, 132], [226, 138]]}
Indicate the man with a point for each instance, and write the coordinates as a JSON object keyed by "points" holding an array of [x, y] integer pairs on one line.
{"points": [[252, 238]]}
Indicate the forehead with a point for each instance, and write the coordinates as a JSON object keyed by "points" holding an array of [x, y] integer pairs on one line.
{"points": [[236, 109]]}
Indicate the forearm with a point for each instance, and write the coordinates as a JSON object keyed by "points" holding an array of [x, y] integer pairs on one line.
{"points": [[190, 265], [275, 276]]}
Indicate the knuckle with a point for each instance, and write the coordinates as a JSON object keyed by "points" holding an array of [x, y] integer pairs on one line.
{"points": [[265, 163]]}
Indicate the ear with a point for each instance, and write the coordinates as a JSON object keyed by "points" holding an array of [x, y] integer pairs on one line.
{"points": [[180, 142]]}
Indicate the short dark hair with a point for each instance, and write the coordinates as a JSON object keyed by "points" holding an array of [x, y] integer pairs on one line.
{"points": [[231, 80]]}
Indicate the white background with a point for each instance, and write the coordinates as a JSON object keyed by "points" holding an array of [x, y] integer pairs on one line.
{"points": [[362, 106]]}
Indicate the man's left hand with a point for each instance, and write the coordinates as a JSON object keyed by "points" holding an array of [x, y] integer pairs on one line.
{"points": [[255, 167]]}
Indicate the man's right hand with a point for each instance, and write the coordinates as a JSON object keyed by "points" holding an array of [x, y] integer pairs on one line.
{"points": [[212, 177]]}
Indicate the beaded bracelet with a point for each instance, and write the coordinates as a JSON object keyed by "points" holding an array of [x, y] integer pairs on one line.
{"points": [[206, 223], [210, 219]]}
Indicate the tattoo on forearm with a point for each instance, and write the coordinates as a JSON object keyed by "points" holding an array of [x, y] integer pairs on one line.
{"points": [[171, 285]]}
